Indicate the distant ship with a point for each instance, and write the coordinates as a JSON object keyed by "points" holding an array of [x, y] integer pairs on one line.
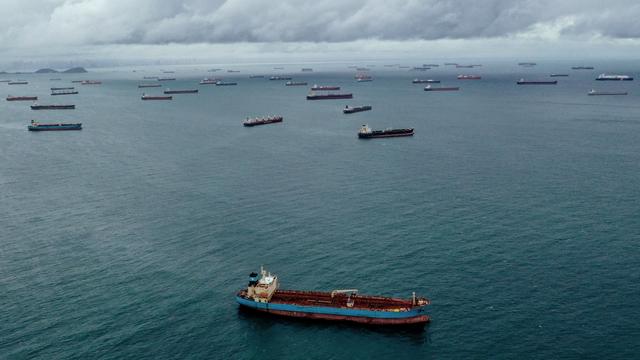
{"points": [[64, 92], [425, 81], [430, 65], [295, 83], [140, 86], [263, 294], [582, 68], [62, 88], [536, 82], [155, 97], [185, 91], [208, 81], [363, 78], [465, 66], [262, 121], [365, 132], [90, 82], [559, 75], [21, 98], [150, 77], [442, 88], [527, 64], [314, 96], [52, 107], [350, 110], [605, 77], [18, 82], [166, 79], [421, 68], [256, 76], [307, 70], [280, 78], [35, 126], [5, 81], [362, 69], [226, 83], [597, 93], [324, 88], [233, 71], [469, 77], [450, 64]]}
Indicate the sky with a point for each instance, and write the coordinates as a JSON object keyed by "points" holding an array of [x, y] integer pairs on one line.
{"points": [[116, 32]]}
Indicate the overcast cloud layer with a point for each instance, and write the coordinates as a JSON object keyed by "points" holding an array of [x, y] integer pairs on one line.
{"points": [[65, 24], [91, 22]]}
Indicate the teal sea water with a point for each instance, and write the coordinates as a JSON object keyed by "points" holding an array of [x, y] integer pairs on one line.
{"points": [[514, 208]]}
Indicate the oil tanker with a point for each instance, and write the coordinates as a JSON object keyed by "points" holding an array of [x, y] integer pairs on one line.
{"points": [[263, 294], [365, 132], [21, 98], [35, 126], [52, 107], [187, 91], [155, 97], [536, 82], [314, 96], [350, 110]]}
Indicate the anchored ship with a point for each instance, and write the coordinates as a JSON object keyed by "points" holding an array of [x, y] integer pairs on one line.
{"points": [[35, 126], [152, 97], [263, 294], [295, 83], [21, 98], [280, 78], [141, 86], [186, 91], [207, 81], [52, 107], [559, 75], [226, 83], [90, 82], [256, 76], [350, 110], [364, 78], [262, 121], [365, 132], [442, 88], [536, 82], [314, 96], [166, 79], [469, 77], [324, 88], [64, 92], [582, 68], [605, 77], [425, 81], [18, 82], [596, 93]]}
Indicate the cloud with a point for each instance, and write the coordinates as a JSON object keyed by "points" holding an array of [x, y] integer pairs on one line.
{"points": [[100, 22]]}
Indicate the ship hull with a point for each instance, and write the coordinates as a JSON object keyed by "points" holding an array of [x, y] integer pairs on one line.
{"points": [[372, 317], [329, 97], [375, 136], [65, 127]]}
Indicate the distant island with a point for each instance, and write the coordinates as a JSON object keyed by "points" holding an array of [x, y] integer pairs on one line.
{"points": [[75, 70]]}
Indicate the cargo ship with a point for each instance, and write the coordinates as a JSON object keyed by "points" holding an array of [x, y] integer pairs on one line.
{"points": [[226, 83], [18, 82], [469, 77], [582, 68], [155, 97], [142, 86], [150, 77], [64, 92], [364, 78], [263, 294], [256, 77], [536, 82], [167, 79], [62, 88], [314, 96], [280, 78], [90, 82], [425, 81], [597, 93], [350, 110], [464, 66], [185, 91], [5, 81], [527, 64], [21, 98], [52, 107], [559, 75], [324, 88], [365, 132], [421, 68], [430, 65], [262, 121], [307, 70], [442, 88], [295, 83], [605, 77], [35, 126]]}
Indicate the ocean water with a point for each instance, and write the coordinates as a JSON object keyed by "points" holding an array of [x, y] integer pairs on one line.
{"points": [[515, 209]]}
